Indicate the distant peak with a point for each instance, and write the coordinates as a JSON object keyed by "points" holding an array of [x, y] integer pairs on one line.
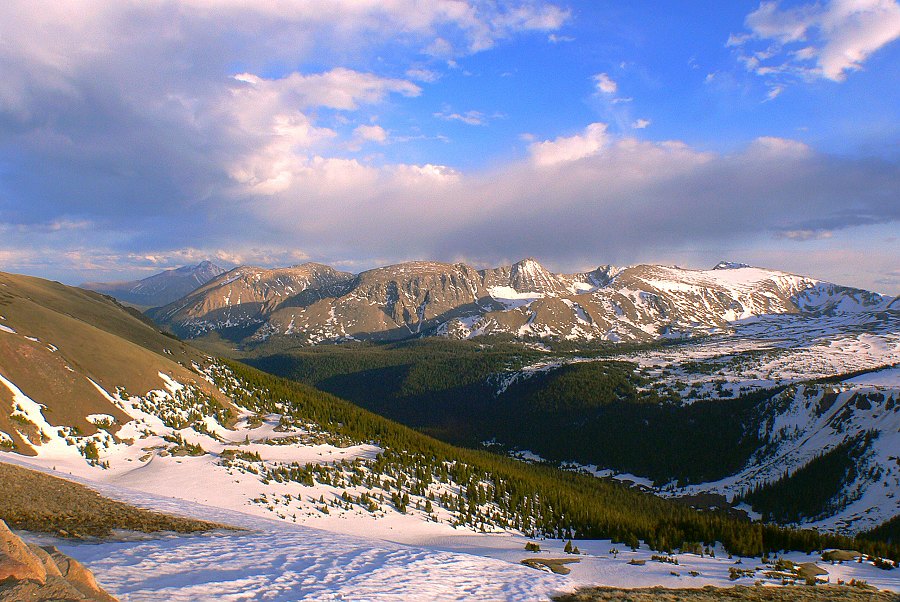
{"points": [[528, 264], [730, 265]]}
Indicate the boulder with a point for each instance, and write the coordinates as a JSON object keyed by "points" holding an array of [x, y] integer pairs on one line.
{"points": [[78, 576], [41, 574], [17, 561]]}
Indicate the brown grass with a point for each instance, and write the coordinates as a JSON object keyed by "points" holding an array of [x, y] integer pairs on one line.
{"points": [[34, 501], [94, 338], [556, 565], [737, 594]]}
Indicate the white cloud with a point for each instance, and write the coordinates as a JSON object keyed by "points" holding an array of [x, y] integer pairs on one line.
{"points": [[571, 148], [804, 235], [640, 124], [605, 83], [837, 37], [371, 133], [774, 92], [772, 145], [555, 39], [469, 117], [450, 27], [854, 30], [789, 25], [340, 88], [423, 75], [276, 139]]}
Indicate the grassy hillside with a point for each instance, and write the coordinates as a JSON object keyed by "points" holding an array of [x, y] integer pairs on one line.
{"points": [[57, 339]]}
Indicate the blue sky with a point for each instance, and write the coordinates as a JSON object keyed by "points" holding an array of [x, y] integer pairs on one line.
{"points": [[142, 135]]}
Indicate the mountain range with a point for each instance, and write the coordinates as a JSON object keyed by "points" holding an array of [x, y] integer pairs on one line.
{"points": [[314, 303], [161, 288], [89, 389]]}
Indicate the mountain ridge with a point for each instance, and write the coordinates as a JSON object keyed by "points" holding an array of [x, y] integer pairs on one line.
{"points": [[525, 300], [161, 288]]}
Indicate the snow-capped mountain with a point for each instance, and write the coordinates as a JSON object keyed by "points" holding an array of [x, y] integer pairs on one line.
{"points": [[161, 288], [526, 300], [99, 395]]}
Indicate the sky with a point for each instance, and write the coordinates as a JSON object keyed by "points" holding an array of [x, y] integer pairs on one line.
{"points": [[141, 135]]}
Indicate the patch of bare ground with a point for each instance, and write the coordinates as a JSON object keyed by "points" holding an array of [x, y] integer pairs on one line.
{"points": [[555, 565], [33, 501], [798, 593]]}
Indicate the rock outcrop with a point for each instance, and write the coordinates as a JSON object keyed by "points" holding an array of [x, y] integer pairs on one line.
{"points": [[35, 573]]}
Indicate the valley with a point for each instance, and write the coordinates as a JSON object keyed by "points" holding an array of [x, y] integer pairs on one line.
{"points": [[449, 300], [166, 426]]}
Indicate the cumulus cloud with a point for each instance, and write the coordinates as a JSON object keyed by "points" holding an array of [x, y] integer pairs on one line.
{"points": [[173, 133], [605, 83], [569, 148], [340, 88], [816, 40], [371, 133], [640, 124], [421, 74]]}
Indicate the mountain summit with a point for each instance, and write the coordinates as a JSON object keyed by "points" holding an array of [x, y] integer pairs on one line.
{"points": [[314, 303], [161, 288]]}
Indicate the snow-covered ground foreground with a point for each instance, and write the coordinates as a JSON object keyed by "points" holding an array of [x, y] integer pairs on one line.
{"points": [[323, 523], [279, 561]]}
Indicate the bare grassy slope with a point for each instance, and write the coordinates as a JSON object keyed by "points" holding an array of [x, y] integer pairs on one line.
{"points": [[34, 501], [58, 338]]}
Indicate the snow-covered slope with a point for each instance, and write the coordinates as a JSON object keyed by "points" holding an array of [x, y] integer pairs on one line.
{"points": [[285, 563], [638, 303], [809, 421], [170, 428], [806, 420]]}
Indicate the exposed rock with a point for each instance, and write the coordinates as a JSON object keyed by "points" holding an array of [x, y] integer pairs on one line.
{"points": [[840, 555], [55, 589], [17, 561], [313, 303], [30, 572], [78, 576], [46, 560]]}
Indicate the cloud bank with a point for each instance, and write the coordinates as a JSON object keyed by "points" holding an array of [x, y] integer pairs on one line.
{"points": [[148, 134]]}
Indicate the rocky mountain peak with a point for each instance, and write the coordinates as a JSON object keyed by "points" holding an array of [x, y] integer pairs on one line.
{"points": [[161, 288], [730, 265], [315, 303], [529, 276]]}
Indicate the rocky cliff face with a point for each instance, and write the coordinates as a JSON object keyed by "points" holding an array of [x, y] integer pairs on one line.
{"points": [[314, 303], [39, 573]]}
